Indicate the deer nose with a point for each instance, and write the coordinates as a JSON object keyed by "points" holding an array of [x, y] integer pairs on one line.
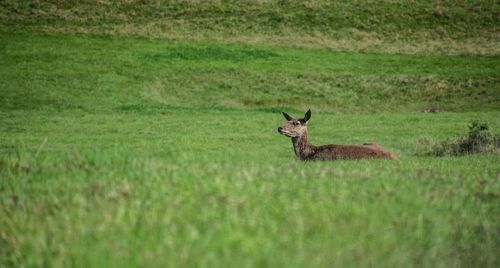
{"points": [[280, 129]]}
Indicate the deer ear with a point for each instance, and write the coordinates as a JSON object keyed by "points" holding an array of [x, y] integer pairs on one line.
{"points": [[287, 116], [307, 116]]}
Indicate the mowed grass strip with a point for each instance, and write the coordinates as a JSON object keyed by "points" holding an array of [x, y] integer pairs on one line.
{"points": [[233, 134]]}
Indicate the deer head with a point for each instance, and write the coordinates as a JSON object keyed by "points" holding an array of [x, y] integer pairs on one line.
{"points": [[295, 127]]}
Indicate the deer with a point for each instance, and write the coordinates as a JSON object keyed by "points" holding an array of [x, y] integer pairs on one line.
{"points": [[296, 129]]}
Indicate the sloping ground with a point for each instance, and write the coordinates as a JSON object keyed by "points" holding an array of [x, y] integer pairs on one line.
{"points": [[124, 152], [438, 27], [59, 71]]}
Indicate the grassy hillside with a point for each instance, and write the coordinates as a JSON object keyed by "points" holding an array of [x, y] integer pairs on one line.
{"points": [[130, 152], [60, 72], [143, 133], [449, 27]]}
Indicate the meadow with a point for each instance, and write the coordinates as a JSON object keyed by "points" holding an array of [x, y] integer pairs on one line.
{"points": [[121, 147]]}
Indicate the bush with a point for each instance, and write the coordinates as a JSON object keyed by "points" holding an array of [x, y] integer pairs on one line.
{"points": [[478, 140]]}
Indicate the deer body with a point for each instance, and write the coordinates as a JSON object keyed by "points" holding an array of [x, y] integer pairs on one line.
{"points": [[296, 129]]}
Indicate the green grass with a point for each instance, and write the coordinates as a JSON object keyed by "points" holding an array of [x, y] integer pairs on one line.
{"points": [[90, 73], [444, 27], [126, 151], [211, 188]]}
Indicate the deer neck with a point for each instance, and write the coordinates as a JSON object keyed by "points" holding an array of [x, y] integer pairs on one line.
{"points": [[301, 146]]}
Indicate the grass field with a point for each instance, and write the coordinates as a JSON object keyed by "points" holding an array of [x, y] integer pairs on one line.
{"points": [[446, 27], [127, 148]]}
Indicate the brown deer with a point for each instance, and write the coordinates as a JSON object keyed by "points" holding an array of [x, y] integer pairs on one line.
{"points": [[297, 130]]}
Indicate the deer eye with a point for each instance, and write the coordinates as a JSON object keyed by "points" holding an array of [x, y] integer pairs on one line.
{"points": [[296, 123]]}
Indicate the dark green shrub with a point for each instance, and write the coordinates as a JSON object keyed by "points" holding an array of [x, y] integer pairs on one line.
{"points": [[478, 140]]}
